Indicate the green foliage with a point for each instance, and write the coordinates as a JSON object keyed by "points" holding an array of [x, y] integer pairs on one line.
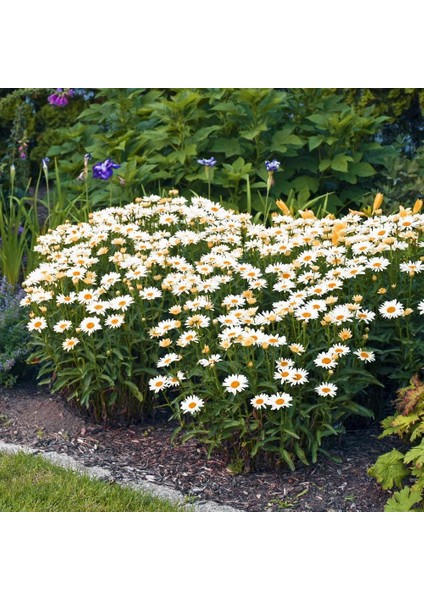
{"points": [[392, 469], [14, 336], [27, 120], [389, 470], [324, 144], [402, 179]]}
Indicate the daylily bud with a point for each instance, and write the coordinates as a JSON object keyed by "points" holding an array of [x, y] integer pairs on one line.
{"points": [[417, 206], [283, 207], [378, 201]]}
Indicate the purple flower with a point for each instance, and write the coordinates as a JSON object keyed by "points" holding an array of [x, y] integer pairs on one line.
{"points": [[104, 170], [61, 96], [272, 165], [20, 229], [45, 162], [207, 162]]}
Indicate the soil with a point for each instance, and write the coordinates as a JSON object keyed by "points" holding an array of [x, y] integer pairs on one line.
{"points": [[31, 416]]}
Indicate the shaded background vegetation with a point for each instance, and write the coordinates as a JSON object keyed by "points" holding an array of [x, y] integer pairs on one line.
{"points": [[347, 142]]}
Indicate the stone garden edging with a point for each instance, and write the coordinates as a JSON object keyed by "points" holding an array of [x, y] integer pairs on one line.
{"points": [[160, 491]]}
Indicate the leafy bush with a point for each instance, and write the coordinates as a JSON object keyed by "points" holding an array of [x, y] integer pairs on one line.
{"points": [[28, 127], [325, 145], [14, 336], [262, 335], [394, 468]]}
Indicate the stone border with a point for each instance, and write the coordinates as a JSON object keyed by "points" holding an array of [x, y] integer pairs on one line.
{"points": [[160, 491]]}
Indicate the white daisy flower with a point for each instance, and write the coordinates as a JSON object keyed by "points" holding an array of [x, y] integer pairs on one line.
{"points": [[391, 309], [235, 383], [121, 302], [62, 326], [325, 360], [70, 343], [365, 355], [339, 349], [192, 404], [37, 324], [158, 383], [114, 321], [365, 315], [66, 298], [211, 361], [90, 325], [326, 389], [168, 359], [260, 401], [277, 401], [298, 377], [150, 293]]}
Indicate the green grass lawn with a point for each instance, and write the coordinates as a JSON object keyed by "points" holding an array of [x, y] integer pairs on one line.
{"points": [[32, 484]]}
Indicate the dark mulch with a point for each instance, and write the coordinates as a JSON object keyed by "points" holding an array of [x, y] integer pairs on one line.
{"points": [[30, 416]]}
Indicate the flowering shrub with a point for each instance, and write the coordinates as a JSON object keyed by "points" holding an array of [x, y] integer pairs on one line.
{"points": [[259, 338], [13, 335]]}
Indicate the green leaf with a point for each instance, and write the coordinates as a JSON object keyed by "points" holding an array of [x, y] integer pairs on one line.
{"points": [[416, 455], [363, 169], [134, 389], [230, 147], [315, 141], [389, 470], [287, 459], [403, 501], [324, 164], [340, 163]]}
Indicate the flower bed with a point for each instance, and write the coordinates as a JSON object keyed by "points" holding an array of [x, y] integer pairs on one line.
{"points": [[258, 338]]}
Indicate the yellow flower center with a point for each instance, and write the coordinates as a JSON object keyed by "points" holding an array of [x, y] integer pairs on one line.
{"points": [[235, 384], [192, 405]]}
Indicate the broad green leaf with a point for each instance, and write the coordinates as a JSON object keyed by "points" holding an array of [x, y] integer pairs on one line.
{"points": [[403, 501], [363, 169], [389, 470], [324, 164], [315, 141], [416, 455], [340, 163]]}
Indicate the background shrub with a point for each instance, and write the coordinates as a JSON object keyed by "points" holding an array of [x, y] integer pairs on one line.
{"points": [[338, 141], [14, 336]]}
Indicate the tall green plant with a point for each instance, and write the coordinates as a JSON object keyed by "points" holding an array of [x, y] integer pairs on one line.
{"points": [[324, 144]]}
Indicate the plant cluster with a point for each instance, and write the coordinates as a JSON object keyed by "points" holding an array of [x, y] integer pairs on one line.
{"points": [[395, 468], [14, 336], [260, 339], [325, 143]]}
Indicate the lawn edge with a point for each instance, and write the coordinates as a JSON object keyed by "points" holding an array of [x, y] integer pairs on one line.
{"points": [[159, 491]]}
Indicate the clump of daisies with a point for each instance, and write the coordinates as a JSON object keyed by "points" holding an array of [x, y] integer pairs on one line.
{"points": [[256, 337]]}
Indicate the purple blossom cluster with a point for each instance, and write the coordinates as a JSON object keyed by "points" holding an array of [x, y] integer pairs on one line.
{"points": [[61, 96]]}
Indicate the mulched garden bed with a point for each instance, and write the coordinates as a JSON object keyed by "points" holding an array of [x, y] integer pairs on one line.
{"points": [[31, 416]]}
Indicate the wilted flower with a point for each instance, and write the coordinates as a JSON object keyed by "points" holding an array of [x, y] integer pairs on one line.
{"points": [[272, 165], [207, 162], [104, 170], [61, 96]]}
